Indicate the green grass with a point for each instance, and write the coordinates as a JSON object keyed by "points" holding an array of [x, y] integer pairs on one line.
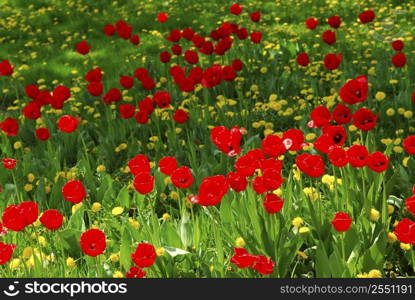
{"points": [[199, 241]]}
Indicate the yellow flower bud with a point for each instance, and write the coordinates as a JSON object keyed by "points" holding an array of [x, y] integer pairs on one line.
{"points": [[96, 207], [70, 262], [14, 264], [240, 242], [114, 257], [30, 177], [392, 237], [380, 96], [297, 222], [101, 168], [116, 211], [405, 247], [117, 274], [304, 230], [374, 215], [160, 251], [28, 187]]}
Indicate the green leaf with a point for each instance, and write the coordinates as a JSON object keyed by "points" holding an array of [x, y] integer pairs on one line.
{"points": [[69, 240], [169, 235], [160, 184], [123, 197], [395, 201], [186, 231], [125, 250], [175, 251], [336, 264], [76, 221], [106, 185], [322, 263]]}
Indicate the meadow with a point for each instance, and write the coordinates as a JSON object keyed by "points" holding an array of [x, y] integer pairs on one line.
{"points": [[215, 139]]}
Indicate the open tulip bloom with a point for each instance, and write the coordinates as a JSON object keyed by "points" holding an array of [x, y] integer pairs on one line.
{"points": [[211, 139]]}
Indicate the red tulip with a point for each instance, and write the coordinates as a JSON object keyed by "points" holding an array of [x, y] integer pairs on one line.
{"points": [[162, 17], [397, 45], [227, 141], [211, 191], [167, 165], [6, 252], [341, 222], [329, 37], [180, 116], [303, 59], [242, 259], [405, 231], [143, 183], [338, 157], [182, 177], [367, 16], [135, 272], [139, 164], [399, 60], [144, 255], [377, 162], [311, 23], [410, 204], [334, 21], [312, 165], [74, 191], [332, 61], [236, 9], [273, 203], [93, 242], [6, 69], [82, 48], [67, 123], [355, 90], [263, 265], [9, 163], [364, 119], [10, 126], [126, 111], [409, 144], [255, 16], [51, 219], [342, 114], [13, 219], [273, 145], [162, 99], [127, 82], [320, 116], [237, 181]]}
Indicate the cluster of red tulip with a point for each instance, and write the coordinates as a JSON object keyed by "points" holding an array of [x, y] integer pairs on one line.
{"points": [[124, 30], [18, 217], [262, 167], [93, 243], [260, 263]]}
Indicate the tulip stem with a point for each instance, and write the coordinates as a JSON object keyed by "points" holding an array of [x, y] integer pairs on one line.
{"points": [[38, 244], [385, 211], [335, 190], [99, 275], [413, 259], [342, 236], [345, 185], [19, 197], [367, 204]]}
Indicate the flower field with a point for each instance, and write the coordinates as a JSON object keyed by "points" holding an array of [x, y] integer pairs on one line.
{"points": [[175, 139]]}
